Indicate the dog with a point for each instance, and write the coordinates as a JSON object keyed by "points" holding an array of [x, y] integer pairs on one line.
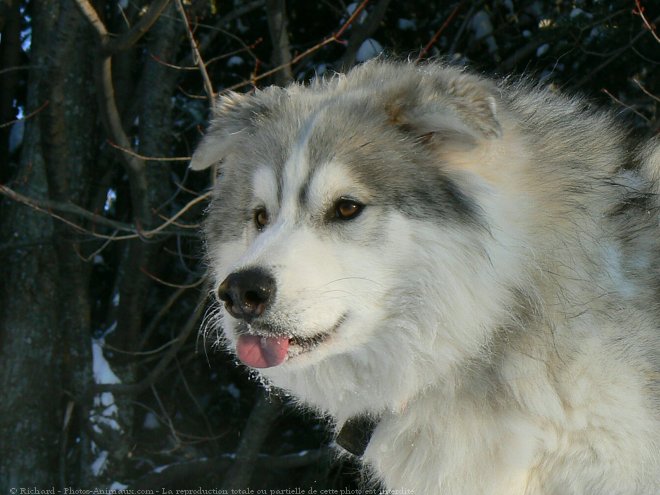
{"points": [[463, 273]]}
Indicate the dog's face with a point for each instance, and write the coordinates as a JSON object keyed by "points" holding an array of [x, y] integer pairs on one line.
{"points": [[338, 240]]}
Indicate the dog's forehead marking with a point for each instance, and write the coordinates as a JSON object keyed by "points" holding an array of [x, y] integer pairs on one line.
{"points": [[297, 169], [300, 183]]}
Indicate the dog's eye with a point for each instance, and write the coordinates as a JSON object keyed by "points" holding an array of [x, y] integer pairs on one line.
{"points": [[347, 209], [260, 218]]}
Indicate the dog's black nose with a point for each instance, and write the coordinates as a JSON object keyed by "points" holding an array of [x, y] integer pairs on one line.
{"points": [[247, 293]]}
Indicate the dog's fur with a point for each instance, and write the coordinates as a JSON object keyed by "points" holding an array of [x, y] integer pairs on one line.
{"points": [[494, 305]]}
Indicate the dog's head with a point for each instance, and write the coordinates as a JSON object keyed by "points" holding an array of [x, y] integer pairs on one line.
{"points": [[352, 254]]}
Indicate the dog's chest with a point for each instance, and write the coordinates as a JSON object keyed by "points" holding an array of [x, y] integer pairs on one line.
{"points": [[459, 452]]}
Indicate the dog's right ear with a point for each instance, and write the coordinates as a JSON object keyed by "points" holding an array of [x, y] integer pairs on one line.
{"points": [[448, 105], [231, 115]]}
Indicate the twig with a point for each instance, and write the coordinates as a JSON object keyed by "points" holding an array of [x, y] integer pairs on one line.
{"points": [[197, 57], [192, 96], [156, 371], [459, 33], [195, 226], [205, 41], [211, 434], [149, 158], [16, 68], [264, 412], [626, 106], [91, 256], [28, 116], [92, 16], [64, 436], [639, 10], [178, 214], [111, 118], [614, 57], [330, 39], [350, 20], [169, 284], [162, 311], [130, 37], [48, 206], [437, 34], [151, 352], [646, 91], [111, 115], [167, 418], [172, 66], [361, 32]]}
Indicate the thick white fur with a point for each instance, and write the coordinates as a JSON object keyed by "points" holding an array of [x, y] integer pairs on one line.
{"points": [[479, 390]]}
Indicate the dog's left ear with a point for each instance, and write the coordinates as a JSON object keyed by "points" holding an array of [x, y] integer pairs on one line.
{"points": [[232, 115], [447, 103]]}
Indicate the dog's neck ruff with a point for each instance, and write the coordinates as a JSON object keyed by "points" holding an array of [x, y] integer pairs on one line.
{"points": [[356, 432]]}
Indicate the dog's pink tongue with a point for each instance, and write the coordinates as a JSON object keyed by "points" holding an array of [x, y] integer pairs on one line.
{"points": [[262, 352]]}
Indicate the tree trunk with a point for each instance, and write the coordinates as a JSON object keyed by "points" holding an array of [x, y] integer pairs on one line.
{"points": [[70, 142], [45, 351], [30, 344]]}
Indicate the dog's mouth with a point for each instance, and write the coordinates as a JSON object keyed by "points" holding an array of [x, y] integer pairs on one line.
{"points": [[261, 348]]}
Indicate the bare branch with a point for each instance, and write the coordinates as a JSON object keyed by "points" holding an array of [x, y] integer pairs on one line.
{"points": [[361, 32], [48, 206], [639, 10], [646, 91], [162, 311], [129, 38], [28, 116], [93, 17], [350, 20], [205, 41], [336, 37], [624, 105], [111, 115], [459, 32], [17, 68], [156, 371], [437, 34], [191, 226], [150, 158], [134, 166], [178, 214], [611, 59], [197, 57], [112, 120], [170, 284], [264, 412]]}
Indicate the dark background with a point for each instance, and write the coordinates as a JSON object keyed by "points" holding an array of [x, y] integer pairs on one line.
{"points": [[100, 253]]}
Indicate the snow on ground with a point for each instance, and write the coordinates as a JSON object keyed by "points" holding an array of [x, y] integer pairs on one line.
{"points": [[104, 414], [369, 49]]}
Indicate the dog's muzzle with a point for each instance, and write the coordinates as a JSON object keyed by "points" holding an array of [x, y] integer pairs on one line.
{"points": [[247, 295]]}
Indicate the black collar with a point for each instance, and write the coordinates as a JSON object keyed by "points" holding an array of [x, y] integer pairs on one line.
{"points": [[356, 432]]}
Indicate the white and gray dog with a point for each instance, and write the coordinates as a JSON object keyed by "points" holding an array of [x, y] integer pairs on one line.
{"points": [[472, 268]]}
